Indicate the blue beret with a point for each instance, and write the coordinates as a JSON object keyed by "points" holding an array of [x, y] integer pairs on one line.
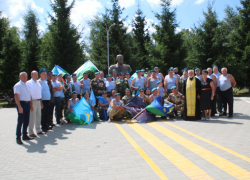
{"points": [[67, 75], [153, 70], [85, 72], [142, 70], [120, 73], [156, 68], [170, 69], [153, 89], [84, 93], [112, 89], [197, 69], [185, 69], [126, 72], [73, 75], [159, 82], [109, 76], [97, 73], [114, 70], [141, 89], [215, 66], [73, 92], [173, 87], [54, 74], [104, 91], [127, 89], [42, 70], [117, 94], [175, 68]]}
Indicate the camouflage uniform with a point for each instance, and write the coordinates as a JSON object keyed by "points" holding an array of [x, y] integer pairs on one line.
{"points": [[176, 100], [97, 86], [121, 86], [125, 100], [67, 95]]}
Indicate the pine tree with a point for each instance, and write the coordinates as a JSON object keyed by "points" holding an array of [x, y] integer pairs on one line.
{"points": [[9, 56], [31, 42], [167, 48], [141, 37], [67, 48]]}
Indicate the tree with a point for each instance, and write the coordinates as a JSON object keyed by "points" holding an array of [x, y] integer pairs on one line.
{"points": [[10, 54], [31, 42], [140, 37], [167, 47], [66, 46], [119, 40]]}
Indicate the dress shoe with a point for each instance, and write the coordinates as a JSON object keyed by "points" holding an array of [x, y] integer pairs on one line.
{"points": [[33, 135], [223, 114], [229, 116], [44, 130], [50, 127], [27, 138], [18, 141]]}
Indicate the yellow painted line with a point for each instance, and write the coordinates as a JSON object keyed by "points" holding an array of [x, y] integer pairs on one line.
{"points": [[185, 165], [210, 142], [150, 162], [211, 157]]}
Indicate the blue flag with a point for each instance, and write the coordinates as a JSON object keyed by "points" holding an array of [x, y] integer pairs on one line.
{"points": [[159, 109], [92, 98], [134, 106], [82, 113]]}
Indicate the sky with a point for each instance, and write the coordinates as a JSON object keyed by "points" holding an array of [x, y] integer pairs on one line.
{"points": [[188, 12]]}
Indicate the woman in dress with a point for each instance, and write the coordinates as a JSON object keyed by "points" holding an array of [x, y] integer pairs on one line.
{"points": [[207, 95]]}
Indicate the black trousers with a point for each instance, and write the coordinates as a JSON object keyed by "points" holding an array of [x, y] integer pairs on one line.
{"points": [[23, 119], [57, 104], [45, 114], [214, 111], [219, 102], [227, 99], [50, 116]]}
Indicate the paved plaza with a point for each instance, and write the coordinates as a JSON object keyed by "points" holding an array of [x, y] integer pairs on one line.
{"points": [[165, 149]]}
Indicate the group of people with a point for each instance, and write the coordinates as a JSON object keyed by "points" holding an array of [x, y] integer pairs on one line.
{"points": [[194, 96]]}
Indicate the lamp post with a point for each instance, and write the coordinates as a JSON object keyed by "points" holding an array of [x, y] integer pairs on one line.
{"points": [[108, 44]]}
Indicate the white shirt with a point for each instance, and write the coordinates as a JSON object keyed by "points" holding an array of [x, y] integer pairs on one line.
{"points": [[23, 91], [35, 89]]}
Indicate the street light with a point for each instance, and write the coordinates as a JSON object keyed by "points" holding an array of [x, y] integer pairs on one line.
{"points": [[108, 44]]}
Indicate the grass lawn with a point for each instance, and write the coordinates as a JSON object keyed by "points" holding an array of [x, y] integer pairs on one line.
{"points": [[241, 93], [4, 104]]}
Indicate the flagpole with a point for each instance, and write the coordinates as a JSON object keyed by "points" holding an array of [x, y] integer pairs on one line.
{"points": [[138, 114], [108, 45]]}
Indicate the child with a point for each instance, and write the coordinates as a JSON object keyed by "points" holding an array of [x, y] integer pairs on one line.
{"points": [[160, 89]]}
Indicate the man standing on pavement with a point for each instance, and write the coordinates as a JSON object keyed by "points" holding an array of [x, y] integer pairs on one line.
{"points": [[57, 87], [170, 81], [35, 115], [227, 82], [46, 96], [78, 86], [97, 85], [51, 102], [158, 74], [69, 86], [24, 106], [218, 93]]}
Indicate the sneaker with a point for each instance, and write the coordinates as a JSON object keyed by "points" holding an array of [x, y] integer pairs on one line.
{"points": [[109, 120], [208, 119], [203, 119], [167, 117]]}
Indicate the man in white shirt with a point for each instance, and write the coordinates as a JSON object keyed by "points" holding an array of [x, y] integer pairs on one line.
{"points": [[35, 115], [24, 105], [78, 86]]}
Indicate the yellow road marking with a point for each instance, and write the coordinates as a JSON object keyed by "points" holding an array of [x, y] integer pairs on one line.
{"points": [[186, 166], [150, 162], [211, 157], [210, 142]]}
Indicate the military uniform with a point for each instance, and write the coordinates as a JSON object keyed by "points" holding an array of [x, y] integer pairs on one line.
{"points": [[177, 100], [67, 95], [121, 86], [97, 85]]}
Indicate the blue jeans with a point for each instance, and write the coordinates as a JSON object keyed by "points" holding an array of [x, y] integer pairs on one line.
{"points": [[57, 104], [23, 119]]}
